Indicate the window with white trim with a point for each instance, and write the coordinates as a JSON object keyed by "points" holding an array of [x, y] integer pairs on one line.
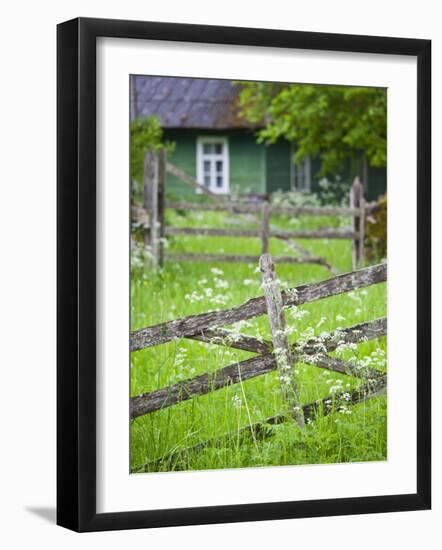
{"points": [[212, 161], [302, 175]]}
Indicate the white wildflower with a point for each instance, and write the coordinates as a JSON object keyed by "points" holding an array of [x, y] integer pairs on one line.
{"points": [[194, 297], [236, 401], [220, 299], [221, 283], [292, 294], [296, 313], [321, 322]]}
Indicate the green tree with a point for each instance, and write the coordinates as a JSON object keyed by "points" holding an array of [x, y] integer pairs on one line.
{"points": [[145, 133], [334, 123]]}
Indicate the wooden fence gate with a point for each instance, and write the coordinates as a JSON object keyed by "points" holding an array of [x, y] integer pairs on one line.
{"points": [[270, 355], [151, 217]]}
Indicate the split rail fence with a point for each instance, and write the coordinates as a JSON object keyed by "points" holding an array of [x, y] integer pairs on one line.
{"points": [[276, 354], [151, 217]]}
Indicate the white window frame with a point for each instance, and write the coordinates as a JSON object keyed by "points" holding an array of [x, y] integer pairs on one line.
{"points": [[306, 166], [200, 156]]}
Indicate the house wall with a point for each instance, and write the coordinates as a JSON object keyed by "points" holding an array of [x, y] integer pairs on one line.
{"points": [[247, 163], [251, 164], [278, 166], [377, 183], [247, 159]]}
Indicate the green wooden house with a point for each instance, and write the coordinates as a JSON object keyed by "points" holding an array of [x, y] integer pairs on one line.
{"points": [[218, 147]]}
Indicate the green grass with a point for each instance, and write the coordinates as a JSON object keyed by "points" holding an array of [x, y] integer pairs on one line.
{"points": [[188, 288]]}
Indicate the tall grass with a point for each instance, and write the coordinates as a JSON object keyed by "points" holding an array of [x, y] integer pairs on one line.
{"points": [[158, 439]]}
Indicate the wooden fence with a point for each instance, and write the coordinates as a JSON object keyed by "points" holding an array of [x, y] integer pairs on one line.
{"points": [[276, 354], [151, 217]]}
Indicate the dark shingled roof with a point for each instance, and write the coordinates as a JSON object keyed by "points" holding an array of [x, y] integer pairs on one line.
{"points": [[186, 102]]}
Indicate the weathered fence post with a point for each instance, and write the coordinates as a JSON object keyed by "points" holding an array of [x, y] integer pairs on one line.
{"points": [[358, 221], [361, 253], [281, 348], [151, 203], [265, 227], [161, 204]]}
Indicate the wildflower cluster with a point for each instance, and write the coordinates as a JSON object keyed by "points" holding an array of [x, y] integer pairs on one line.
{"points": [[236, 401], [209, 289], [138, 256], [358, 297], [297, 314], [182, 364], [377, 359], [284, 367]]}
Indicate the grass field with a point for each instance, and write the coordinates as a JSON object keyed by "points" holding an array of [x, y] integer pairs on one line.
{"points": [[352, 434]]}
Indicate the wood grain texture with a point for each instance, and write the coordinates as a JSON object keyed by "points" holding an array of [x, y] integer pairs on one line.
{"points": [[212, 232], [234, 340], [281, 349], [254, 207], [329, 404], [306, 254], [200, 385], [327, 233], [361, 234], [139, 215], [249, 368], [151, 203], [194, 324], [265, 232], [186, 178], [240, 258], [265, 228], [334, 364], [161, 204], [356, 197]]}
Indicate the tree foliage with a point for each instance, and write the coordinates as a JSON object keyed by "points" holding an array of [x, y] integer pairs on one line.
{"points": [[334, 123], [145, 133]]}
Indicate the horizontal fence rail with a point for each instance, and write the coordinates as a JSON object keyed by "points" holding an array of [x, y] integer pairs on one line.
{"points": [[257, 366], [188, 326], [208, 327], [338, 233], [255, 208], [151, 216], [241, 258]]}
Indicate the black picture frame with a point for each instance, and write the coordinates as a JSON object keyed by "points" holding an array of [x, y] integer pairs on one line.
{"points": [[76, 273]]}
